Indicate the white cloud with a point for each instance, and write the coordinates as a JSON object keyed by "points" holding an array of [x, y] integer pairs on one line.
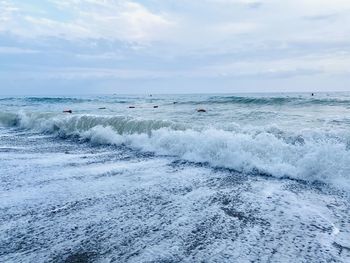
{"points": [[134, 39], [242, 2], [6, 12], [320, 6], [333, 63], [116, 20], [127, 21], [195, 25], [234, 28]]}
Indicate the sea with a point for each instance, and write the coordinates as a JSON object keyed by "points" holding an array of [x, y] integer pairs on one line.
{"points": [[175, 178]]}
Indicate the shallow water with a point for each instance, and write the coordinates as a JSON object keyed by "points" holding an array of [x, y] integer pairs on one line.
{"points": [[261, 178]]}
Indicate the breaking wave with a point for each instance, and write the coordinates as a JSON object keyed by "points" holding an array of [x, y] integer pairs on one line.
{"points": [[74, 125], [245, 100], [240, 100], [310, 157]]}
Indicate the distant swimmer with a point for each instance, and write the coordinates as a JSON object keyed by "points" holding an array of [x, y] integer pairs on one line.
{"points": [[102, 108], [201, 110], [175, 102], [312, 94], [155, 106], [131, 107], [68, 111]]}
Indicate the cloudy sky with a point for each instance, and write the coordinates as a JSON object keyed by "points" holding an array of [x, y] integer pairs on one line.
{"points": [[173, 46]]}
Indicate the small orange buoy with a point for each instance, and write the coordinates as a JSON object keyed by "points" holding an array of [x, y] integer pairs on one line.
{"points": [[67, 111], [201, 110]]}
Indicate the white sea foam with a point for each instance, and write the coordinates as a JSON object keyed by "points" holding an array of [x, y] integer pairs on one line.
{"points": [[315, 157], [113, 203], [324, 160]]}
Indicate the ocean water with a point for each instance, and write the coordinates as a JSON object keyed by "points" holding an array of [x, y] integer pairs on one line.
{"points": [[140, 178]]}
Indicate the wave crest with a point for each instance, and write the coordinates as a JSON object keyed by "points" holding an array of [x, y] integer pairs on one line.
{"points": [[305, 157], [243, 100], [68, 125], [314, 160]]}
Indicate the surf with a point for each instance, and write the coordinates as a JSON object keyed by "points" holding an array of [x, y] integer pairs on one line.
{"points": [[309, 156]]}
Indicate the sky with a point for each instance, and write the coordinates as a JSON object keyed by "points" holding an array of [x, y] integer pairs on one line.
{"points": [[173, 46]]}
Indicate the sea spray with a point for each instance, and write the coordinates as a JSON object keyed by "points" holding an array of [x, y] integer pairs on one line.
{"points": [[293, 135]]}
